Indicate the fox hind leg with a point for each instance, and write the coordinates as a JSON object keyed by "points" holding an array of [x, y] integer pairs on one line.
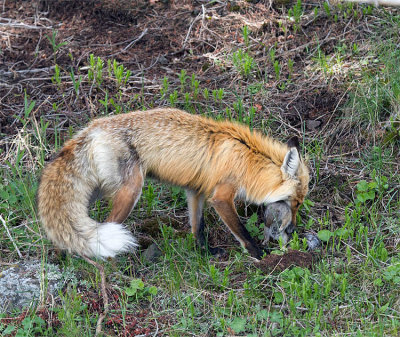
{"points": [[195, 202], [127, 196]]}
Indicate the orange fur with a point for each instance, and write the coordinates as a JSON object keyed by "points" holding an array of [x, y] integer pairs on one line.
{"points": [[202, 155]]}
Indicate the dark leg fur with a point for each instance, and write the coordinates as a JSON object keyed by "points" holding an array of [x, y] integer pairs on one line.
{"points": [[222, 201], [196, 205], [202, 242]]}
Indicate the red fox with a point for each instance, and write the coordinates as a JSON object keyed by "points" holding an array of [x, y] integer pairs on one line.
{"points": [[214, 160]]}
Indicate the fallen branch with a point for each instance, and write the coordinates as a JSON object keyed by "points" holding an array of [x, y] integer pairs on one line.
{"points": [[26, 71], [123, 50], [17, 24], [136, 40]]}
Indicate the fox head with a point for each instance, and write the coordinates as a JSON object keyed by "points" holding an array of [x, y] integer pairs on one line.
{"points": [[293, 187]]}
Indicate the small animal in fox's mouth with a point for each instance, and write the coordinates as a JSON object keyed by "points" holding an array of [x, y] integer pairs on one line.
{"points": [[278, 222]]}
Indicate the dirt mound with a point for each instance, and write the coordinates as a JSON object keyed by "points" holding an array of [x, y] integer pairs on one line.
{"points": [[292, 258]]}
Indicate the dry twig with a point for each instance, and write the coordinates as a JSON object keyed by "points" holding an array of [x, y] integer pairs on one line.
{"points": [[17, 24], [10, 237]]}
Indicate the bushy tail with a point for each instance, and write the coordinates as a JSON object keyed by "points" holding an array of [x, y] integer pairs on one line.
{"points": [[63, 199], [111, 239]]}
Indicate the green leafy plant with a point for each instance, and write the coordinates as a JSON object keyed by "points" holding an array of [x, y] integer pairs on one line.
{"points": [[182, 79], [238, 324], [121, 74], [195, 86], [206, 94], [295, 14], [378, 252], [75, 81], [220, 280], [138, 290], [322, 61], [173, 98], [149, 194], [315, 12], [187, 99], [254, 229], [116, 106], [95, 71], [290, 67], [57, 77], [392, 272], [243, 62], [368, 190], [277, 69], [239, 110], [105, 102], [327, 9], [218, 94], [272, 55], [165, 86], [56, 46], [295, 242], [30, 326], [245, 31]]}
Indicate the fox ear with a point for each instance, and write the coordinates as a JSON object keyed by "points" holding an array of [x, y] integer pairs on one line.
{"points": [[294, 142], [291, 163]]}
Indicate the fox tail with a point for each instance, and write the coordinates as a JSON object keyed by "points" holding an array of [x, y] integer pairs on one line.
{"points": [[63, 197]]}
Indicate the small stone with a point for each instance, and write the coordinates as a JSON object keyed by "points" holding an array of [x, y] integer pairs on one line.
{"points": [[313, 241], [312, 124], [163, 60], [152, 253]]}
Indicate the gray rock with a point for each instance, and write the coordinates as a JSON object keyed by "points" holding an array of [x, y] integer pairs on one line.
{"points": [[29, 281], [312, 125], [152, 253], [313, 241], [163, 60]]}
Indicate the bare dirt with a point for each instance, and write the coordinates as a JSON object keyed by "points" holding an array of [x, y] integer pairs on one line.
{"points": [[273, 262]]}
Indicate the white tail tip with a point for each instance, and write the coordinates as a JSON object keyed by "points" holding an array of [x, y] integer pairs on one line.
{"points": [[111, 239]]}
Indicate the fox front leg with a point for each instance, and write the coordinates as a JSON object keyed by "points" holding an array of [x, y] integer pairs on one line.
{"points": [[223, 202]]}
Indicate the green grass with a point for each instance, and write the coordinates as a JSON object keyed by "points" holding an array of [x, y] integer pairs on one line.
{"points": [[353, 206]]}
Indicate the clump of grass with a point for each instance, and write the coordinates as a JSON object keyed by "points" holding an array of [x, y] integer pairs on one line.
{"points": [[243, 63], [295, 14]]}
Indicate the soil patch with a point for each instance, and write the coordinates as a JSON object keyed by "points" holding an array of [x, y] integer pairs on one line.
{"points": [[292, 258]]}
